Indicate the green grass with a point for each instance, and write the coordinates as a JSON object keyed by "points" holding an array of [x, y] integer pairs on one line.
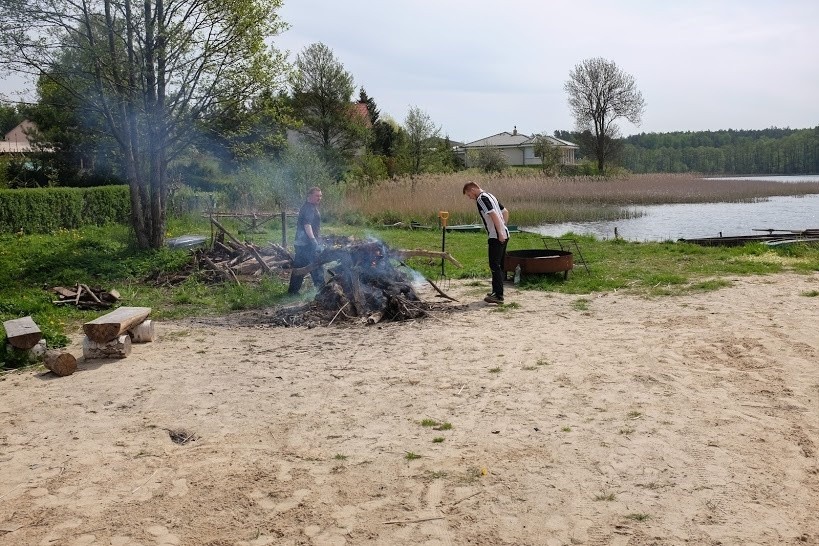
{"points": [[30, 265], [410, 456]]}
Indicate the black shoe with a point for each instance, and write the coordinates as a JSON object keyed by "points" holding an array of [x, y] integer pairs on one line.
{"points": [[493, 298]]}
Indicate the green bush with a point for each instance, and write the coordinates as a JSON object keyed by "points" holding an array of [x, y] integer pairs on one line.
{"points": [[44, 210]]}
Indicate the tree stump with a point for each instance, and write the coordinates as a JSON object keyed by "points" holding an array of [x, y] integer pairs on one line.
{"points": [[22, 333], [116, 348], [60, 362], [143, 333]]}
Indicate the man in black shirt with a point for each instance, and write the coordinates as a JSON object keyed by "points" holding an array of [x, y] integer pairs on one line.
{"points": [[308, 227]]}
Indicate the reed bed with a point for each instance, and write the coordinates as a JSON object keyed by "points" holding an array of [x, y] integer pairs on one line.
{"points": [[535, 199]]}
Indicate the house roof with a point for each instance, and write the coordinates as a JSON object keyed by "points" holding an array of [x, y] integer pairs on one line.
{"points": [[16, 141], [514, 140], [501, 139]]}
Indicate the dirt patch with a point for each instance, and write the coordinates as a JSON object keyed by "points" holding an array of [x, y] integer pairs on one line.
{"points": [[678, 420]]}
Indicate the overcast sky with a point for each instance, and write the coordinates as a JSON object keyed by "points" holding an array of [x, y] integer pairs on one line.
{"points": [[479, 67]]}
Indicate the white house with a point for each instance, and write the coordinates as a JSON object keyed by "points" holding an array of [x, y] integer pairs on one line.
{"points": [[16, 141], [517, 148]]}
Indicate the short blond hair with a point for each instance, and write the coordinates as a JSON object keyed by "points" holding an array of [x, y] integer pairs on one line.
{"points": [[470, 186]]}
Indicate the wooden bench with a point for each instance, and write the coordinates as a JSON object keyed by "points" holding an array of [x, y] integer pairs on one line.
{"points": [[109, 327], [22, 333]]}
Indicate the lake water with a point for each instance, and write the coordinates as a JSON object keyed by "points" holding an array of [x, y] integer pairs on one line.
{"points": [[671, 222]]}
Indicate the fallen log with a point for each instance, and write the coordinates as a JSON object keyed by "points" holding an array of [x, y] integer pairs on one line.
{"points": [[22, 333], [143, 332], [115, 323], [60, 362], [120, 347]]}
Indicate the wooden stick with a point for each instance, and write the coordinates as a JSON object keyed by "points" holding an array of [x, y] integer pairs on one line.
{"points": [[412, 520], [440, 292], [226, 232], [338, 313]]}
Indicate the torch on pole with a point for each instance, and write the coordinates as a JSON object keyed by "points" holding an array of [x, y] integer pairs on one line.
{"points": [[443, 215]]}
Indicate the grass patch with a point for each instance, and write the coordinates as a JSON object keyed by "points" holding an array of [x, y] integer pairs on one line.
{"points": [[494, 370], [810, 293], [638, 516], [605, 497], [410, 456], [30, 265], [435, 425], [580, 304], [438, 440]]}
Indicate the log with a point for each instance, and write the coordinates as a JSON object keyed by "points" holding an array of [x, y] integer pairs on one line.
{"points": [[60, 362], [22, 333], [115, 323], [143, 332], [119, 347], [375, 317]]}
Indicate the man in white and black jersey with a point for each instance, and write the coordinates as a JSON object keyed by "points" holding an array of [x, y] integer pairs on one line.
{"points": [[494, 216]]}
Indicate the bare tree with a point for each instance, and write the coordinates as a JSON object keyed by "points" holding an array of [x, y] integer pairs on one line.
{"points": [[151, 70], [599, 93]]}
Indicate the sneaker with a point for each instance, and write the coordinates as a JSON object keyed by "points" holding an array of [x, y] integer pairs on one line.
{"points": [[493, 298]]}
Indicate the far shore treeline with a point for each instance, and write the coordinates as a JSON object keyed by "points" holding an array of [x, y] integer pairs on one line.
{"points": [[725, 152]]}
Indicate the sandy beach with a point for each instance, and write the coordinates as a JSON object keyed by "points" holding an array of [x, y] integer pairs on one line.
{"points": [[621, 420]]}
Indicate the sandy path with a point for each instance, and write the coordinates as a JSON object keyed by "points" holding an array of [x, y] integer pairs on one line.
{"points": [[678, 420]]}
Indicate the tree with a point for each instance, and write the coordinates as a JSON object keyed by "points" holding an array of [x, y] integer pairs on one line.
{"points": [[599, 93], [322, 92], [421, 133], [549, 153], [151, 70]]}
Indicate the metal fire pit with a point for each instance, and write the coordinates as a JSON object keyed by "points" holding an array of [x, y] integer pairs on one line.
{"points": [[539, 261]]}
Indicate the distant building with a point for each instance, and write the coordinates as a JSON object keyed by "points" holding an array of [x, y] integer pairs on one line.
{"points": [[16, 141], [517, 148]]}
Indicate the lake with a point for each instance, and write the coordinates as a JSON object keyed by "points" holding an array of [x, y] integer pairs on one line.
{"points": [[671, 222]]}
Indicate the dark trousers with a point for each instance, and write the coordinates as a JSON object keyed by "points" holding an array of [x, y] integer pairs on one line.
{"points": [[305, 255], [497, 251]]}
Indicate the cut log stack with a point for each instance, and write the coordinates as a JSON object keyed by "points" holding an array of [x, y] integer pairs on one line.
{"points": [[109, 336]]}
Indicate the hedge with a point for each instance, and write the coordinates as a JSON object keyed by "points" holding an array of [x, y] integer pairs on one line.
{"points": [[43, 210]]}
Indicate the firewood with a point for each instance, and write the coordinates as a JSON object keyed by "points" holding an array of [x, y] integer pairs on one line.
{"points": [[375, 317], [60, 362], [115, 323], [22, 333], [143, 333], [119, 347]]}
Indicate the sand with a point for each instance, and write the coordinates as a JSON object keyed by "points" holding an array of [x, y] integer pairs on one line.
{"points": [[619, 420]]}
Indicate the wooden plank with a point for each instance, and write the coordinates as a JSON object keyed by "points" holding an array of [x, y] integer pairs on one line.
{"points": [[115, 323], [22, 333]]}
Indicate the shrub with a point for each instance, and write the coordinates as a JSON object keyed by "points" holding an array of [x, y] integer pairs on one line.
{"points": [[43, 210]]}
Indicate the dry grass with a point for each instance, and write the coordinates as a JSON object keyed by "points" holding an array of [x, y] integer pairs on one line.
{"points": [[535, 198]]}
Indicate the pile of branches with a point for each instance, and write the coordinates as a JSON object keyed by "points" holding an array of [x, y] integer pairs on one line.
{"points": [[362, 283], [86, 297], [227, 260]]}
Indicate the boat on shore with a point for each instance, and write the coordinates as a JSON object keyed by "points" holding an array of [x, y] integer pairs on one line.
{"points": [[771, 237], [468, 228]]}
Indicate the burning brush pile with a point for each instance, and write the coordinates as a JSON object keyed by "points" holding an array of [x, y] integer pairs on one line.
{"points": [[364, 281]]}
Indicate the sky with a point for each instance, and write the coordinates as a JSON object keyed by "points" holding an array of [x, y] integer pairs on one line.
{"points": [[480, 67]]}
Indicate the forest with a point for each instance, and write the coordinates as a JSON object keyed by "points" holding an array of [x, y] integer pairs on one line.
{"points": [[725, 152]]}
